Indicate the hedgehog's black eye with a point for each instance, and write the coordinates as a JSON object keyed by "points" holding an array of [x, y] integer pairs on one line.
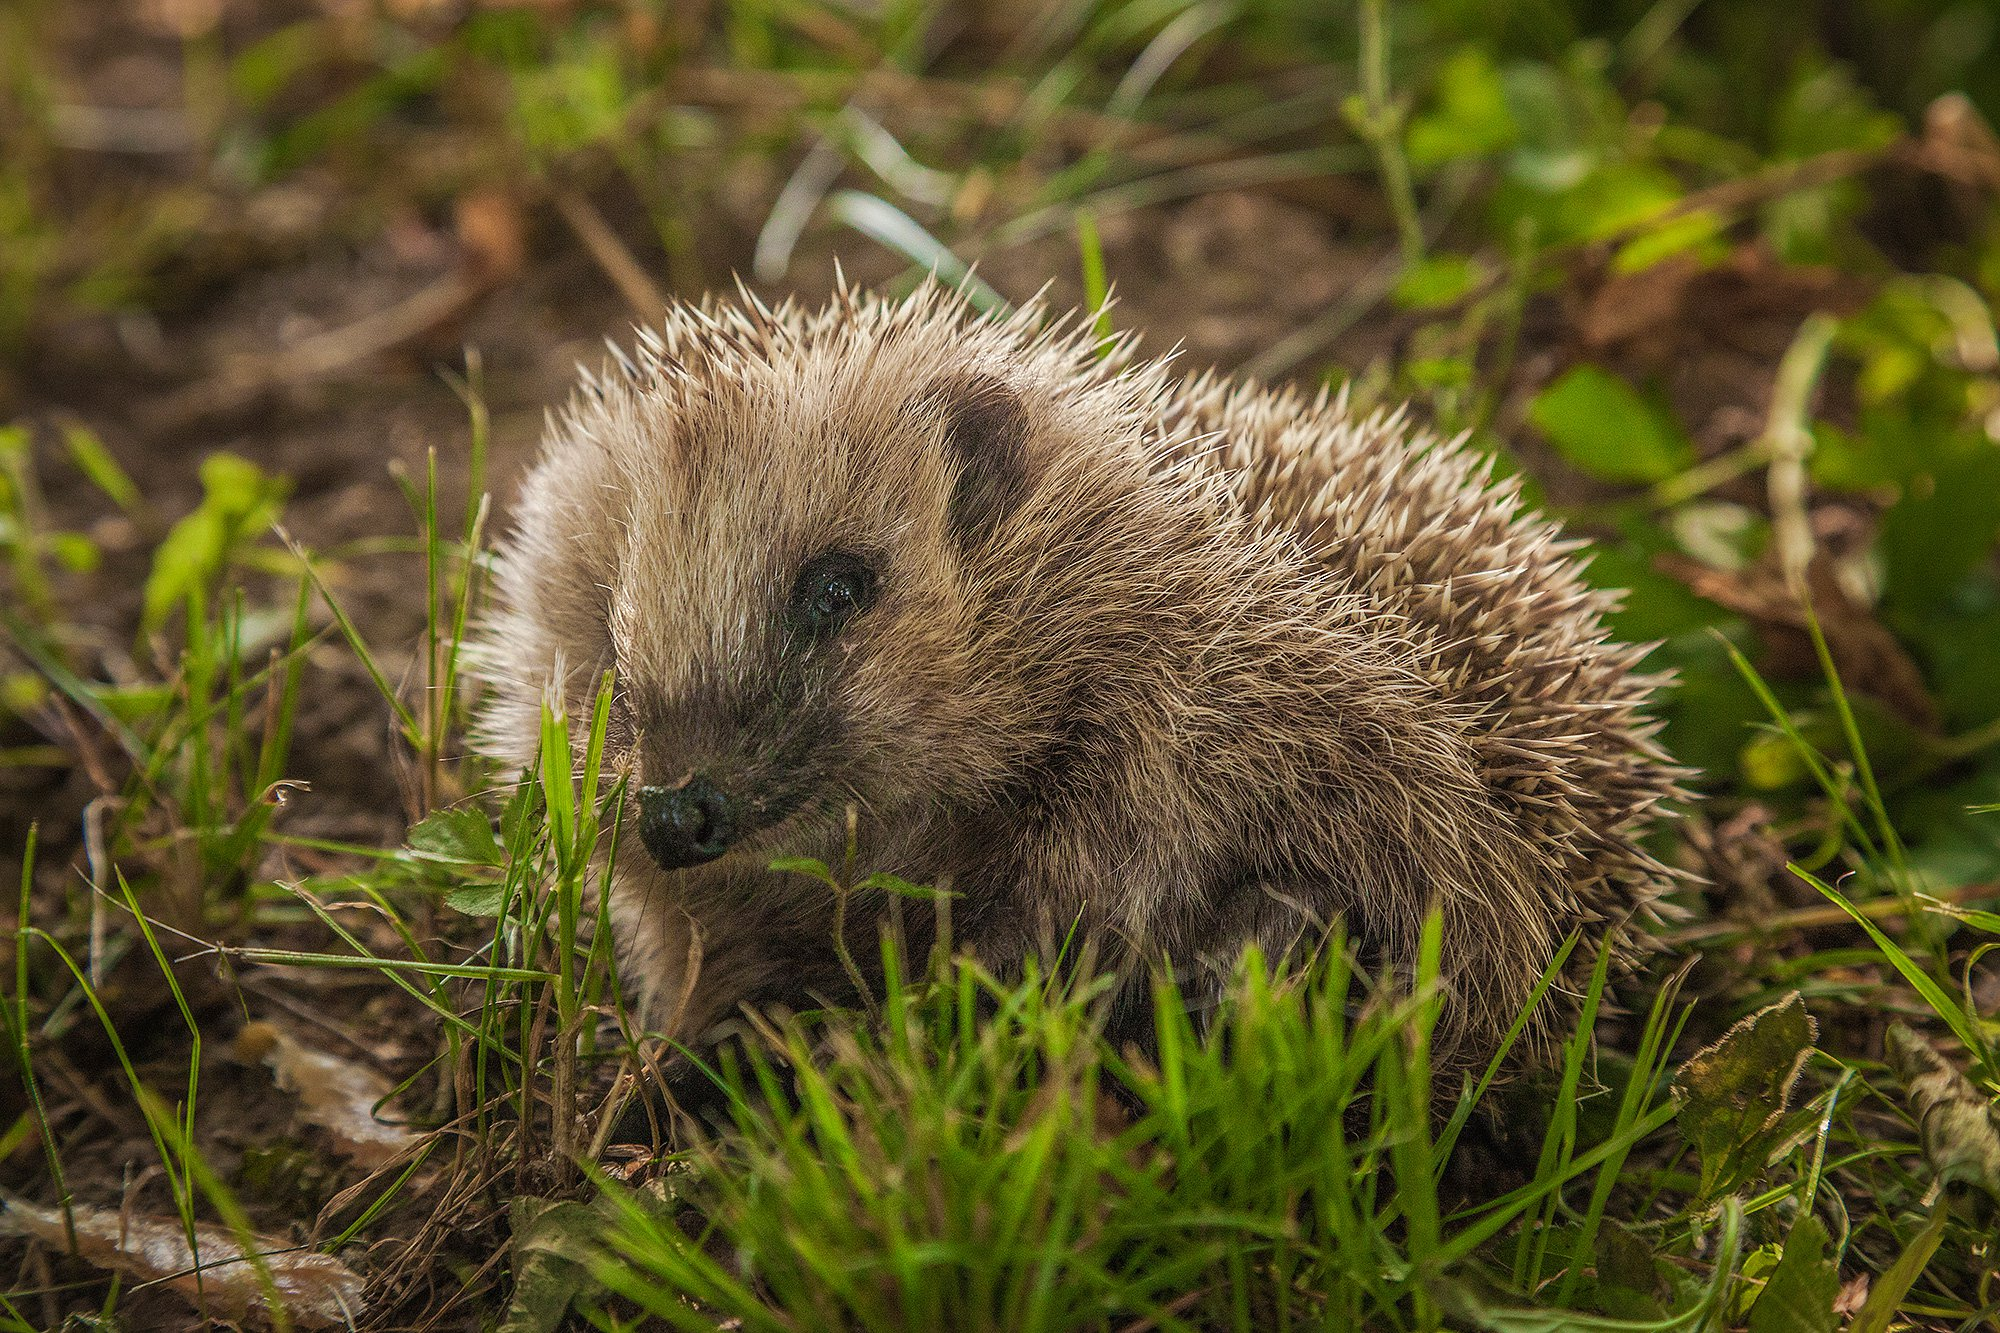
{"points": [[828, 590]]}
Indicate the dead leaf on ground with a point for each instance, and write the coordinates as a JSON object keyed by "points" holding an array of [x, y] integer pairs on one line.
{"points": [[1742, 859], [338, 1095], [1958, 144], [316, 1290], [494, 235], [1960, 1131], [1869, 658], [1657, 312]]}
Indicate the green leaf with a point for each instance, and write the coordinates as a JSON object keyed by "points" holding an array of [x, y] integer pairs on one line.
{"points": [[808, 866], [269, 65], [1471, 117], [1941, 1003], [554, 1241], [1848, 461], [902, 888], [576, 99], [1603, 426], [239, 502], [1769, 761], [95, 461], [1955, 642], [1437, 280], [1616, 197], [1943, 528], [1799, 1296], [1628, 1275], [13, 446], [1696, 231], [478, 900], [461, 835], [888, 225], [74, 551], [1733, 1095], [22, 692]]}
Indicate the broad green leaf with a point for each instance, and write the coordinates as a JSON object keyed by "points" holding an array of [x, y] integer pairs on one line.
{"points": [[1617, 197], [1956, 641], [239, 502], [1471, 117], [1799, 1296], [1733, 1096], [1943, 528], [1603, 426], [478, 900], [1437, 280], [461, 835]]}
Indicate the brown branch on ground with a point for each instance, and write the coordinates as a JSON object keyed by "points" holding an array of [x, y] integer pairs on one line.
{"points": [[648, 302], [244, 382], [1826, 914]]}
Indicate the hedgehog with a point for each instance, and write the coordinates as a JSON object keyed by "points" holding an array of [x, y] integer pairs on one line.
{"points": [[1178, 665]]}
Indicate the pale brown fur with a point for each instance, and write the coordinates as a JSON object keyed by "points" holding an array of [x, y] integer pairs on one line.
{"points": [[1195, 666]]}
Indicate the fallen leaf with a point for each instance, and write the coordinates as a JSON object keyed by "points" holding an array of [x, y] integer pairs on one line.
{"points": [[1960, 1132], [1869, 658], [338, 1095], [490, 227], [554, 1241], [316, 1290]]}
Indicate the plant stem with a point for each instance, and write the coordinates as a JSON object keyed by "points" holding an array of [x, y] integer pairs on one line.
{"points": [[1379, 121]]}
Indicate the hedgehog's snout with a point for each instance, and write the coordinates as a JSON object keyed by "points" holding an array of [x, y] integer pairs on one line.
{"points": [[687, 824]]}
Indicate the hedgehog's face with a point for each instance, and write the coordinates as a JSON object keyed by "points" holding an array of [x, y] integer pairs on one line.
{"points": [[793, 615], [694, 806]]}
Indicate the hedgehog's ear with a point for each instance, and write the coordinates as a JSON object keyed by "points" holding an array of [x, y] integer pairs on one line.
{"points": [[986, 439]]}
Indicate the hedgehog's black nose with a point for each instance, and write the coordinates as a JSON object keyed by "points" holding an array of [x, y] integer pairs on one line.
{"points": [[688, 824]]}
